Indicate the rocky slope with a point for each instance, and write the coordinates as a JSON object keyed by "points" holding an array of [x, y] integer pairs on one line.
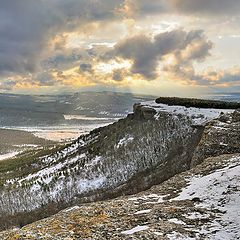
{"points": [[202, 203], [148, 147]]}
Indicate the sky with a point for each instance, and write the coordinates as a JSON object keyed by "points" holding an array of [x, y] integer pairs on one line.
{"points": [[160, 47]]}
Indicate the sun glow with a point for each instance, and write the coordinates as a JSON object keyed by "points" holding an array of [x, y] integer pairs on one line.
{"points": [[109, 67]]}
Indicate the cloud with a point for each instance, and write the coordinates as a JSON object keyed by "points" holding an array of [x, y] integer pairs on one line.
{"points": [[7, 85], [33, 37], [140, 50], [140, 8], [28, 28], [227, 77], [146, 53], [45, 79], [119, 74], [23, 27], [211, 7], [86, 67], [66, 58]]}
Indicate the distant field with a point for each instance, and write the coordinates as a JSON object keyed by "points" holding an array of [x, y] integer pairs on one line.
{"points": [[16, 140]]}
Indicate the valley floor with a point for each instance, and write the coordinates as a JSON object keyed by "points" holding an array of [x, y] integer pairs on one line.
{"points": [[15, 141], [202, 203]]}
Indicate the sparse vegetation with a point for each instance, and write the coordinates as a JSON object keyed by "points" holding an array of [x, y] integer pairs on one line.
{"points": [[25, 163], [198, 103]]}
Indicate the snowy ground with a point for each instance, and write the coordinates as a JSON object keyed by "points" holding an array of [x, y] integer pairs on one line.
{"points": [[219, 190], [8, 155], [198, 115]]}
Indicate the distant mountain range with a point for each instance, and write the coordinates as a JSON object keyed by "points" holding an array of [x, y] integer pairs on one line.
{"points": [[79, 108]]}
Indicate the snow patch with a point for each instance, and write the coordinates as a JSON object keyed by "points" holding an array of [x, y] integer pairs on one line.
{"points": [[135, 229], [177, 221], [124, 141], [8, 155], [197, 115], [83, 117], [143, 211], [218, 190], [178, 236], [71, 209], [151, 198]]}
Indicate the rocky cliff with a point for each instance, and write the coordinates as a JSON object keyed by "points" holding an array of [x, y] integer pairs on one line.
{"points": [[148, 147], [202, 203]]}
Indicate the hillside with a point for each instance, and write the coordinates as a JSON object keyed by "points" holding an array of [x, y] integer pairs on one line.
{"points": [[202, 203], [146, 148], [51, 110]]}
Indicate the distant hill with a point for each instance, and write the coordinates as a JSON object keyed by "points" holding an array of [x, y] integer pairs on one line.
{"points": [[45, 110]]}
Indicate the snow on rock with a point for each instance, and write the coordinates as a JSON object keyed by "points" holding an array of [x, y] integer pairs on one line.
{"points": [[90, 184], [124, 141], [149, 199], [50, 170], [71, 209], [135, 229], [198, 115], [196, 215], [176, 221], [8, 155], [218, 190], [143, 211], [83, 117], [158, 233], [178, 236]]}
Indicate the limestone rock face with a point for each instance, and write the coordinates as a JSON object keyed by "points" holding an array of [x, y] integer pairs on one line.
{"points": [[236, 116], [221, 136], [143, 112]]}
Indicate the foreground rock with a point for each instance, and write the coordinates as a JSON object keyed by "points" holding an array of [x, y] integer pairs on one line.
{"points": [[202, 203]]}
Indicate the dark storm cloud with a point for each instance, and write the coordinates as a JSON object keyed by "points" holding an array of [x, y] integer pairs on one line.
{"points": [[119, 74], [208, 7], [26, 26], [23, 27], [145, 53], [65, 59], [225, 7], [43, 79], [141, 50], [151, 7], [86, 67]]}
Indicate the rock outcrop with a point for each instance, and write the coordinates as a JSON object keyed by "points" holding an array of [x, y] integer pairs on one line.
{"points": [[220, 136]]}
